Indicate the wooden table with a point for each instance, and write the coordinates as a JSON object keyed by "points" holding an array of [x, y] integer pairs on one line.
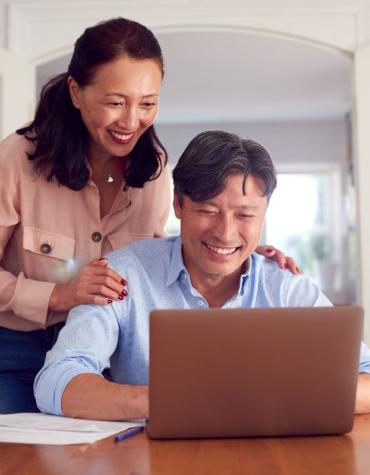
{"points": [[335, 455]]}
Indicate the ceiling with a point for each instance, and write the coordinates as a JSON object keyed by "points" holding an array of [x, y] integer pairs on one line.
{"points": [[245, 76]]}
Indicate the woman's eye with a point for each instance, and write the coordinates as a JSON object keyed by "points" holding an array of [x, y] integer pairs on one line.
{"points": [[118, 103], [149, 105]]}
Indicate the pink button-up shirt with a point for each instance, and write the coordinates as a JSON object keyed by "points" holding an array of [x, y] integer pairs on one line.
{"points": [[48, 232]]}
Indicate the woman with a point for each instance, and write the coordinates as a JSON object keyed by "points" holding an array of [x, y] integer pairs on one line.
{"points": [[88, 175]]}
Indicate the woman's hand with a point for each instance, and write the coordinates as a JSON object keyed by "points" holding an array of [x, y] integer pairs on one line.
{"points": [[95, 283], [284, 262]]}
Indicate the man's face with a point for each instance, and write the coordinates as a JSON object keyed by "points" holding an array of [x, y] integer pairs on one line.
{"points": [[219, 234]]}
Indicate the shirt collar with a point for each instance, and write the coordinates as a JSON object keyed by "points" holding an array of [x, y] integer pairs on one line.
{"points": [[245, 276], [177, 267]]}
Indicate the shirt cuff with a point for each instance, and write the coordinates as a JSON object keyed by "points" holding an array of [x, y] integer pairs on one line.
{"points": [[31, 300], [50, 384]]}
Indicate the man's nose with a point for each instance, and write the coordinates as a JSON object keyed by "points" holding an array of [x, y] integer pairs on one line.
{"points": [[225, 229]]}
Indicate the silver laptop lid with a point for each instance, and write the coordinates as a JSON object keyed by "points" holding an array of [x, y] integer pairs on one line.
{"points": [[253, 372]]}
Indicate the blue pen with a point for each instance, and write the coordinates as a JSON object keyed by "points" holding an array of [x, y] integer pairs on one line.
{"points": [[128, 433]]}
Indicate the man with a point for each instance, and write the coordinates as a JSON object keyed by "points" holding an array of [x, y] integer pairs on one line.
{"points": [[222, 188]]}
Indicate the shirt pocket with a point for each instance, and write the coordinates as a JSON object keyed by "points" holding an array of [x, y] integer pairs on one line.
{"points": [[48, 244], [121, 239], [47, 255]]}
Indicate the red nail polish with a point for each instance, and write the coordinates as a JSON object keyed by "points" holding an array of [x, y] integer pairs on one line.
{"points": [[109, 301], [120, 297], [101, 259], [124, 292], [123, 282]]}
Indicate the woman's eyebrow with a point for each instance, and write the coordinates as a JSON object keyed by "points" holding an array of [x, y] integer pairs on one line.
{"points": [[126, 95]]}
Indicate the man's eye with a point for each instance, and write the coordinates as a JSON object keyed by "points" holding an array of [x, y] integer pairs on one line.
{"points": [[246, 216], [116, 104]]}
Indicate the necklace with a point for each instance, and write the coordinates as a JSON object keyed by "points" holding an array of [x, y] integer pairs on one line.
{"points": [[109, 178]]}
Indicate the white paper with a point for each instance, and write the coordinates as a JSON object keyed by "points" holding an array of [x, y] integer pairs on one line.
{"points": [[36, 428]]}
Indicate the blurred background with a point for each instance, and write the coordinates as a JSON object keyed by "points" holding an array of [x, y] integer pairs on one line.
{"points": [[292, 75]]}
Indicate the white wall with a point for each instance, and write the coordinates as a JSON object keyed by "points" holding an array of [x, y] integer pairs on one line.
{"points": [[362, 165], [286, 141], [41, 27], [3, 25], [17, 96]]}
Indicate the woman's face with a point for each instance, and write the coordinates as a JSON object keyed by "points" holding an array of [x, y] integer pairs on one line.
{"points": [[119, 105]]}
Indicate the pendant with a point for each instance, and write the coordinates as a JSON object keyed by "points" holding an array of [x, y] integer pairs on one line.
{"points": [[110, 179]]}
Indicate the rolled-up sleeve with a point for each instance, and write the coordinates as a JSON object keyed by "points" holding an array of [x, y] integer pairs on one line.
{"points": [[302, 291], [26, 298], [364, 366], [84, 345]]}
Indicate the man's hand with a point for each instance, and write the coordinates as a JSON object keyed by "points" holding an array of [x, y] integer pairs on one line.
{"points": [[95, 283], [363, 394], [90, 396]]}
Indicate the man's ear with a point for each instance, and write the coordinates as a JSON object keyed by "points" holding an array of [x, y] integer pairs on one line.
{"points": [[74, 91], [177, 206]]}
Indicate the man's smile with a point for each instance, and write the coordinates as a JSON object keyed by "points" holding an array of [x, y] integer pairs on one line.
{"points": [[225, 251]]}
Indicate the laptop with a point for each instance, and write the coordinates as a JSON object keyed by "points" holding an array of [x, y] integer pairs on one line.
{"points": [[253, 372]]}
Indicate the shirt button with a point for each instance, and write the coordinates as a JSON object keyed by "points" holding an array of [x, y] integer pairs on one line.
{"points": [[45, 248], [96, 237]]}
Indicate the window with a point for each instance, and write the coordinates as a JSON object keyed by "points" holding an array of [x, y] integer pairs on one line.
{"points": [[173, 224], [304, 221]]}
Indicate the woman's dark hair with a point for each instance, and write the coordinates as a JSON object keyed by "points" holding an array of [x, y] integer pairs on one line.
{"points": [[58, 131], [211, 157]]}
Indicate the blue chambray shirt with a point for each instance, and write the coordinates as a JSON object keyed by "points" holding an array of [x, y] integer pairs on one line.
{"points": [[117, 335]]}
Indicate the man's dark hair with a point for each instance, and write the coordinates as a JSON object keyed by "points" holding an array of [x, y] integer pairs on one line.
{"points": [[211, 157], [58, 131]]}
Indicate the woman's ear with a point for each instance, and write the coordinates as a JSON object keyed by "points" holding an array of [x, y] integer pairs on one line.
{"points": [[74, 91]]}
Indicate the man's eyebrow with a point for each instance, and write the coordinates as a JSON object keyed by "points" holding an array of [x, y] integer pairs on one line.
{"points": [[243, 207], [249, 207]]}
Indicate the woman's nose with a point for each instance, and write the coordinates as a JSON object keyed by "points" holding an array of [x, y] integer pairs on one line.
{"points": [[128, 119]]}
